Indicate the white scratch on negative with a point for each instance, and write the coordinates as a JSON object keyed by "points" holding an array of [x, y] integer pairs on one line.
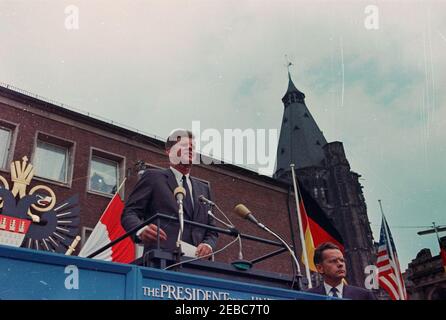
{"points": [[426, 87], [441, 35], [432, 116], [343, 73]]}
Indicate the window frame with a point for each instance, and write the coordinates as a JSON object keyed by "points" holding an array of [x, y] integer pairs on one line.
{"points": [[13, 129], [57, 141], [109, 156], [84, 239]]}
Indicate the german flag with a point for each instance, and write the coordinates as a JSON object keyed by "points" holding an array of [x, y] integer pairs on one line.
{"points": [[316, 226]]}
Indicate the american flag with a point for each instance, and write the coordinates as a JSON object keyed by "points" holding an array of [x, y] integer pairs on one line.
{"points": [[389, 271]]}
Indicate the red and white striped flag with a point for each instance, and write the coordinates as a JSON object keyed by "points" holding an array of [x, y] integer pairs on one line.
{"points": [[389, 271], [108, 229]]}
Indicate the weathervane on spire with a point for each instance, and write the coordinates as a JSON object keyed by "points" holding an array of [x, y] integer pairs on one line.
{"points": [[288, 64]]}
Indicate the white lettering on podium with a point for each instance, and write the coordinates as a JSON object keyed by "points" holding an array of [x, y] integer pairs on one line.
{"points": [[72, 280], [168, 291]]}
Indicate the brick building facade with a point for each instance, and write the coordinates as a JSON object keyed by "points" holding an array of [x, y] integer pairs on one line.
{"points": [[36, 127], [41, 130]]}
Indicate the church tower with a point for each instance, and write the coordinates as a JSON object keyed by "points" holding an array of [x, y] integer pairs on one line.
{"points": [[301, 140], [325, 172]]}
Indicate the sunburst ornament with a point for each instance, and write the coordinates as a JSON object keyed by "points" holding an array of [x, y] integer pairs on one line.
{"points": [[35, 220]]}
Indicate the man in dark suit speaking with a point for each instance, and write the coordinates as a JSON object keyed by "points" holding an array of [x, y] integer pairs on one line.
{"points": [[153, 194], [330, 263]]}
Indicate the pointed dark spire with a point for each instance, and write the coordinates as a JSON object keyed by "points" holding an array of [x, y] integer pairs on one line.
{"points": [[292, 94], [301, 141], [291, 86]]}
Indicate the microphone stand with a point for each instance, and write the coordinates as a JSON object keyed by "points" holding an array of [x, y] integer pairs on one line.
{"points": [[240, 264], [178, 252], [298, 273]]}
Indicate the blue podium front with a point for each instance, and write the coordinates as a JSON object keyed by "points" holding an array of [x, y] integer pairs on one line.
{"points": [[28, 274]]}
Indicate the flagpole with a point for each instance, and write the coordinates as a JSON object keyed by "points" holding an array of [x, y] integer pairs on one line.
{"points": [[397, 271], [301, 232], [436, 232], [120, 186]]}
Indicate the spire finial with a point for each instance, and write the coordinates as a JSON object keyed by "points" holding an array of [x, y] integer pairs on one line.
{"points": [[288, 65], [291, 86]]}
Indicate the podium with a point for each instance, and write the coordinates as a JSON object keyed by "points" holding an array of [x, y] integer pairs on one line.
{"points": [[159, 258], [33, 275], [162, 258]]}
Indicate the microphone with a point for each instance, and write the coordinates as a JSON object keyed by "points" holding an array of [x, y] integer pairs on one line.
{"points": [[203, 199], [229, 225], [243, 212], [240, 264], [231, 228], [180, 194]]}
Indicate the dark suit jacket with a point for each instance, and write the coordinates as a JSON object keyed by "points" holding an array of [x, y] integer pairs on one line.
{"points": [[350, 292], [153, 193]]}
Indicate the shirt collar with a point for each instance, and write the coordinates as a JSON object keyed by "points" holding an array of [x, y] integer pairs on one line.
{"points": [[178, 174], [340, 288]]}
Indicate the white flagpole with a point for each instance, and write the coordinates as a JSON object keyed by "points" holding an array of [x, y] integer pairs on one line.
{"points": [[301, 232], [120, 186], [397, 270]]}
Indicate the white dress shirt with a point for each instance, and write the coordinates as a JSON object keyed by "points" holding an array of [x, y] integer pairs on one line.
{"points": [[179, 178], [328, 291]]}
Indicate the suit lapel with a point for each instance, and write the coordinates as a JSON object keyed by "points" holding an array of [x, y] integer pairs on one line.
{"points": [[171, 181], [346, 292], [321, 290]]}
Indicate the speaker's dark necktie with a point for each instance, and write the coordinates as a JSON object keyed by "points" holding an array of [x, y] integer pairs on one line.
{"points": [[335, 292], [188, 201]]}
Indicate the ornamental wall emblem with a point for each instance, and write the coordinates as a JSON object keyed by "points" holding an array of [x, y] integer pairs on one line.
{"points": [[34, 219]]}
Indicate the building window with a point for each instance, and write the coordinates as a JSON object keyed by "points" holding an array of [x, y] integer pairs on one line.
{"points": [[85, 234], [344, 195], [51, 161], [325, 192], [5, 143], [104, 175]]}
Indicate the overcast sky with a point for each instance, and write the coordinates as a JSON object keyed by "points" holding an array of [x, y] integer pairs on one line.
{"points": [[157, 65]]}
